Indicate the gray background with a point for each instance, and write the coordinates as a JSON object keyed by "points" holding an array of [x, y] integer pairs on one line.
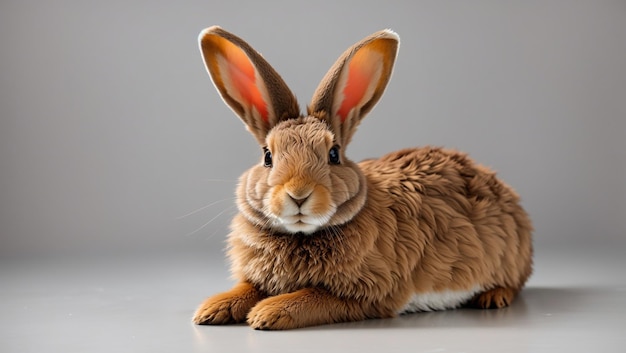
{"points": [[111, 133], [111, 130]]}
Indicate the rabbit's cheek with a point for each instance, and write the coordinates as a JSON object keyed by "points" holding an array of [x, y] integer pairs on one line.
{"points": [[275, 203], [319, 204]]}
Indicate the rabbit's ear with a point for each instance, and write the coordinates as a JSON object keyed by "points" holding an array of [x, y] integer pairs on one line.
{"points": [[246, 82], [356, 82]]}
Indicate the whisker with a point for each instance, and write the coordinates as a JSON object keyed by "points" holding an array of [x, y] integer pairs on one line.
{"points": [[266, 220], [211, 220], [204, 207], [334, 231], [216, 229]]}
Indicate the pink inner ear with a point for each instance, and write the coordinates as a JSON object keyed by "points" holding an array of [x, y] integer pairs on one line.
{"points": [[242, 75], [356, 84]]}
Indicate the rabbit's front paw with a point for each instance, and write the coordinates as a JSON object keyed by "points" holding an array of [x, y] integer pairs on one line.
{"points": [[216, 312], [229, 307], [271, 314]]}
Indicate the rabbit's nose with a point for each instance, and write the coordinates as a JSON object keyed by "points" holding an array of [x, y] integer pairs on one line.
{"points": [[299, 198], [298, 202]]}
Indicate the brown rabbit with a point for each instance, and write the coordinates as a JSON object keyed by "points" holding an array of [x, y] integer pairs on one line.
{"points": [[320, 239]]}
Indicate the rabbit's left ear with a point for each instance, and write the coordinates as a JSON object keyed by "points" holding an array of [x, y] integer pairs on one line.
{"points": [[356, 81]]}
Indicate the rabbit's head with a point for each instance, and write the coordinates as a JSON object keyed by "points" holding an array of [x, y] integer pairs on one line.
{"points": [[303, 182]]}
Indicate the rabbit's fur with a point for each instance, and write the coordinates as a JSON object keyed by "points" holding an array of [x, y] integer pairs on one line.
{"points": [[320, 239]]}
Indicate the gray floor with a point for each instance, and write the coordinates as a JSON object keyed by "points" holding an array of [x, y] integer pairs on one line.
{"points": [[576, 301]]}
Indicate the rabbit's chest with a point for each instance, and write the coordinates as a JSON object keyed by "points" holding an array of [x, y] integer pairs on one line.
{"points": [[282, 272], [287, 267]]}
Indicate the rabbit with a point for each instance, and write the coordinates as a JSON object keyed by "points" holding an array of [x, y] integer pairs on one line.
{"points": [[319, 239]]}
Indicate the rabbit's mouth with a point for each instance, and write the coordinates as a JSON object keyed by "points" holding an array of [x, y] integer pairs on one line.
{"points": [[301, 223], [302, 207]]}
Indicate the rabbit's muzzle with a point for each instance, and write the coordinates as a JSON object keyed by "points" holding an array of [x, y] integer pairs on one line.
{"points": [[301, 206]]}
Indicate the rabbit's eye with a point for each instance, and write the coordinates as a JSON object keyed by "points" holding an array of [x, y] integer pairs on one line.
{"points": [[333, 155], [267, 161]]}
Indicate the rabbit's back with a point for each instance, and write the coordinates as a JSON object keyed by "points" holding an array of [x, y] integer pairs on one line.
{"points": [[466, 227]]}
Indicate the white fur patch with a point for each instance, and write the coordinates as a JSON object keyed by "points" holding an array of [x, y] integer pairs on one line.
{"points": [[437, 300]]}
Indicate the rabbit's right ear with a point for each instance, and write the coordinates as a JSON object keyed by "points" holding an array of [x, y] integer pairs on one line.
{"points": [[246, 82]]}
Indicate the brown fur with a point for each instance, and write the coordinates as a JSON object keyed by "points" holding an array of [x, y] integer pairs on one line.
{"points": [[365, 237]]}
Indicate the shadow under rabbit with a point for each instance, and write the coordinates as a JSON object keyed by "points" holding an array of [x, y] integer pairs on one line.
{"points": [[531, 305]]}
